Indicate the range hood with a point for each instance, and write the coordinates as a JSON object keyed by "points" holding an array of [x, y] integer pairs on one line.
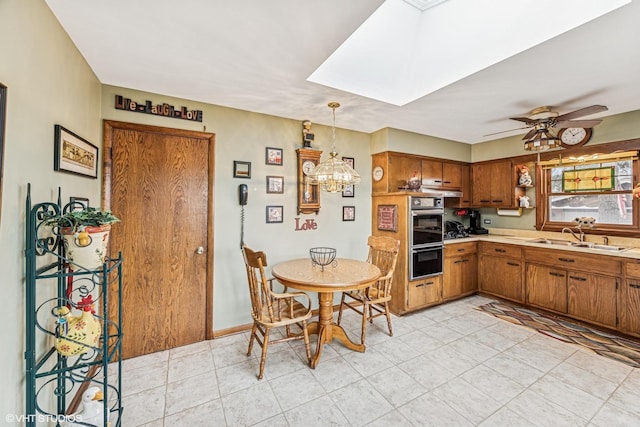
{"points": [[440, 193]]}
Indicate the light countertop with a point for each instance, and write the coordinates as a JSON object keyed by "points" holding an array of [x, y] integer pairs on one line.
{"points": [[526, 238]]}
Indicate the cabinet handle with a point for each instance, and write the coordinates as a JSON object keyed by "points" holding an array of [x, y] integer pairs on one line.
{"points": [[420, 285], [497, 201], [447, 182], [500, 250], [552, 273], [631, 285], [566, 260], [513, 264], [437, 180], [460, 260], [581, 279], [460, 250]]}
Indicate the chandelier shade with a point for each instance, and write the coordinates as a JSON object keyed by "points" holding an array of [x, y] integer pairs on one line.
{"points": [[543, 140], [333, 175]]}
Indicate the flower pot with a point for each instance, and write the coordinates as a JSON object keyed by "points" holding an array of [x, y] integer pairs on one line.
{"points": [[87, 248]]}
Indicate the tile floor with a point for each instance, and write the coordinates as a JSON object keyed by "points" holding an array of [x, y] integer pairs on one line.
{"points": [[449, 365]]}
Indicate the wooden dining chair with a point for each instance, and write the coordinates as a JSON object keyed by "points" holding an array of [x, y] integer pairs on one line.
{"points": [[373, 301], [273, 310]]}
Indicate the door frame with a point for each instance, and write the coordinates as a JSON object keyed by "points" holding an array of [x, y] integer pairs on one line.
{"points": [[107, 175]]}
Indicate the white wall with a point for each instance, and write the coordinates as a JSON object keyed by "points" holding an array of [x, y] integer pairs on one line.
{"points": [[242, 135], [48, 83]]}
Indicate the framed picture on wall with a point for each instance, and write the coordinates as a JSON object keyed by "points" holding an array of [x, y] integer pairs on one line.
{"points": [[349, 190], [78, 203], [275, 184], [3, 115], [273, 156], [387, 216], [348, 213], [241, 169], [274, 214], [74, 154]]}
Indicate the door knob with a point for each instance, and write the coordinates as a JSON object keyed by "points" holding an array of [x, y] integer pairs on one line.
{"points": [[199, 250]]}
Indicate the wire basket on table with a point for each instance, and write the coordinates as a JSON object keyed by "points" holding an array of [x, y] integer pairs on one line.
{"points": [[323, 256]]}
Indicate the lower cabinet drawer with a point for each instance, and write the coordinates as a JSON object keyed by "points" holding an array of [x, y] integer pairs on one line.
{"points": [[424, 292], [574, 260]]}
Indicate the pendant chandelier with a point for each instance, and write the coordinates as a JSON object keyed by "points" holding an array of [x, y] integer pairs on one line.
{"points": [[333, 175], [542, 140]]}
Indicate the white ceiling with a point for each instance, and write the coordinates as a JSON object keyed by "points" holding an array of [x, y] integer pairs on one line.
{"points": [[257, 55]]}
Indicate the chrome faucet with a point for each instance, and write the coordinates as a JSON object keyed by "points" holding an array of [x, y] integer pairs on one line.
{"points": [[578, 238]]}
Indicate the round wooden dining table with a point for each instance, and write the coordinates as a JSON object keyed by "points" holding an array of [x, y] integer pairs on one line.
{"points": [[345, 275]]}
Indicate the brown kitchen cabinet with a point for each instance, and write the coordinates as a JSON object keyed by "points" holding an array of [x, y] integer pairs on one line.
{"points": [[439, 174], [592, 297], [460, 276], [500, 270], [493, 184], [629, 299], [391, 170], [572, 283], [423, 292], [546, 287]]}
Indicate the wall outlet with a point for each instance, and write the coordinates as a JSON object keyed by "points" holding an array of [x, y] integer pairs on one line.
{"points": [[486, 221]]}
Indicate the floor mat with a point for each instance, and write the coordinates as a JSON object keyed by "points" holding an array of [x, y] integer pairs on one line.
{"points": [[614, 347]]}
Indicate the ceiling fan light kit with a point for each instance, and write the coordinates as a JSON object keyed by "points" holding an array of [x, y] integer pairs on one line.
{"points": [[573, 133]]}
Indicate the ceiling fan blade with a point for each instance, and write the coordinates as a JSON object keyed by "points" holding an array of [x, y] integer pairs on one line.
{"points": [[529, 134], [505, 131], [581, 112], [527, 120], [578, 123]]}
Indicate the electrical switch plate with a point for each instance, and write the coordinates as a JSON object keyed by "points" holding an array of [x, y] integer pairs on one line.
{"points": [[486, 221]]}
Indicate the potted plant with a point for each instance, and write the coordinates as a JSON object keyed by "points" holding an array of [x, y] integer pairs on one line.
{"points": [[85, 234]]}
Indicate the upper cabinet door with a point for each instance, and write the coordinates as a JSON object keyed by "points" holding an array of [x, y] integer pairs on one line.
{"points": [[432, 173]]}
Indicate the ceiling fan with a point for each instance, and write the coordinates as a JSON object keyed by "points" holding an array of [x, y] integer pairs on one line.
{"points": [[543, 121]]}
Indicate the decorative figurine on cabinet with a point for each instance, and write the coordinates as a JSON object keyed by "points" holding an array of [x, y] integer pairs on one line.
{"points": [[524, 201], [524, 175]]}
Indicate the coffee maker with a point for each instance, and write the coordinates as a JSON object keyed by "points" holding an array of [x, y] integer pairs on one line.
{"points": [[475, 223]]}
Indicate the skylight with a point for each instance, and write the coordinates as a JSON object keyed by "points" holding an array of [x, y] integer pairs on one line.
{"points": [[402, 53]]}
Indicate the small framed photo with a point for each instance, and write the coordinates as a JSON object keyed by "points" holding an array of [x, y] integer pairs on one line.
{"points": [[348, 191], [74, 154], [275, 184], [388, 217], [241, 169], [274, 214], [348, 213], [78, 203], [350, 161], [273, 156]]}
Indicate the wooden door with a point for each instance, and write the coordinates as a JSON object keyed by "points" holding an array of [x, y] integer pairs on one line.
{"points": [[502, 184], [630, 306], [481, 179], [159, 182], [432, 173], [501, 276], [546, 287], [592, 297], [451, 175]]}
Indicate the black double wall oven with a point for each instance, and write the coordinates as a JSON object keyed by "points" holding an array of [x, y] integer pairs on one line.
{"points": [[426, 236]]}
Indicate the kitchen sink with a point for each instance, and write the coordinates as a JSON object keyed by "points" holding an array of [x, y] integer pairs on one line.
{"points": [[589, 245], [552, 242], [596, 246]]}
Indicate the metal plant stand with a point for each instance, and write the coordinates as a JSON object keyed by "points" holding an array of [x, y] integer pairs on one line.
{"points": [[55, 383]]}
